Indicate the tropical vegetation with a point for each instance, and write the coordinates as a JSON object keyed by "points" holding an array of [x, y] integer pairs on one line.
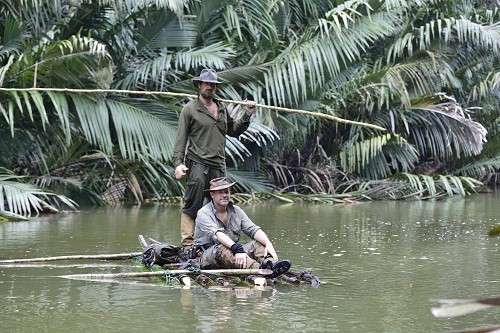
{"points": [[90, 93]]}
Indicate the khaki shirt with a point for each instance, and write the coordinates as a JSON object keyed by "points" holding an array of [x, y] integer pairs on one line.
{"points": [[206, 135], [208, 224]]}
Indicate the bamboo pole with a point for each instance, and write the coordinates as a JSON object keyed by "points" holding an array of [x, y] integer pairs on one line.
{"points": [[167, 93], [51, 265], [247, 271], [143, 241], [117, 256]]}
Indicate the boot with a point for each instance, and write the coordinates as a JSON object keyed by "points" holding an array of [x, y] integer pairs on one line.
{"points": [[187, 231], [278, 267]]}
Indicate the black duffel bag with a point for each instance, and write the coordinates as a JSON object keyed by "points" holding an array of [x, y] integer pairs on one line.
{"points": [[162, 254]]}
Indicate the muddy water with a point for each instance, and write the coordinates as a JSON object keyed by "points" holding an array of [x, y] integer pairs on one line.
{"points": [[382, 265]]}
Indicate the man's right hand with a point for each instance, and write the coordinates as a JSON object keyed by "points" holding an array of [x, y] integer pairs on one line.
{"points": [[180, 171], [241, 260]]}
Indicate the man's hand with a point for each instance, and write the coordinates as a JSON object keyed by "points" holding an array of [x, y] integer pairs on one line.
{"points": [[250, 107], [241, 260], [180, 171], [270, 250]]}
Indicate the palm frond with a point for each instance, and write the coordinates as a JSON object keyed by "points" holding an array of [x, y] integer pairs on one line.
{"points": [[315, 57], [177, 6], [140, 133], [480, 169], [250, 18], [167, 70], [466, 136], [431, 187], [14, 32], [23, 198], [19, 103], [236, 150], [448, 30], [167, 30], [247, 182], [94, 121], [487, 88], [378, 155]]}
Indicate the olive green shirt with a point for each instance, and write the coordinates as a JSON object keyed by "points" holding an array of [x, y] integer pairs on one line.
{"points": [[206, 135]]}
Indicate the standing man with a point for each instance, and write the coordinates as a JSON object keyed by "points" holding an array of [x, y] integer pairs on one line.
{"points": [[204, 122], [218, 227]]}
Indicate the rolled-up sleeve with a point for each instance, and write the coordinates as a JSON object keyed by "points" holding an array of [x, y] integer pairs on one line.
{"points": [[206, 228]]}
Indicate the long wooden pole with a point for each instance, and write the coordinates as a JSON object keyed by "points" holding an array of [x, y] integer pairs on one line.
{"points": [[167, 93], [248, 271], [117, 256]]}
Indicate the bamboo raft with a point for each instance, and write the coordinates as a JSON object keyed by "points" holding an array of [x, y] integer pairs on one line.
{"points": [[227, 277], [173, 273]]}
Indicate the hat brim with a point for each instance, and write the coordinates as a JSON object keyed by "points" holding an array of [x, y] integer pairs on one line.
{"points": [[220, 187], [197, 79]]}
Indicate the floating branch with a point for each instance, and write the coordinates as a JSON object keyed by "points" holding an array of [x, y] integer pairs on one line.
{"points": [[167, 93]]}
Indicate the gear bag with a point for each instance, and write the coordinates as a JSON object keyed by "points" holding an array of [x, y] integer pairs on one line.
{"points": [[161, 254]]}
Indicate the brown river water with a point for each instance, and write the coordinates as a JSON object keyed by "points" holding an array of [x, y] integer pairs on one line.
{"points": [[382, 266]]}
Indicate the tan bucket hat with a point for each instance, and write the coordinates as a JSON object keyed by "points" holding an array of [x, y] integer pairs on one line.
{"points": [[206, 75], [218, 184]]}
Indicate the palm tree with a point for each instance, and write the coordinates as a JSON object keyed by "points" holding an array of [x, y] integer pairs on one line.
{"points": [[82, 145], [390, 63], [101, 145], [397, 66]]}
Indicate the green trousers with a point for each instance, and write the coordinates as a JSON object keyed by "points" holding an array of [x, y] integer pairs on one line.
{"points": [[198, 180], [219, 256]]}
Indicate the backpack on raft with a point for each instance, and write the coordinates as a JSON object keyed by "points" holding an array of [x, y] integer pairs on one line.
{"points": [[162, 254]]}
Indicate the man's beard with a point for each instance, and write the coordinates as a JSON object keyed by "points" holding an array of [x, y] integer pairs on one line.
{"points": [[207, 95], [222, 202]]}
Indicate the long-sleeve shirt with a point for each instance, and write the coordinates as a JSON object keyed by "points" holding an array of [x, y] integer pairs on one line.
{"points": [[208, 224], [206, 135]]}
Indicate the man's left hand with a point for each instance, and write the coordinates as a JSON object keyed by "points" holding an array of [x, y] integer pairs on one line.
{"points": [[270, 251], [250, 107]]}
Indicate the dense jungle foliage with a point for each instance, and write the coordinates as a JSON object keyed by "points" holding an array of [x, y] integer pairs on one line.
{"points": [[426, 71]]}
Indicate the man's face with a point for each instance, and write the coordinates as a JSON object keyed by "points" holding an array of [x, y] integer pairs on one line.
{"points": [[207, 89], [221, 197]]}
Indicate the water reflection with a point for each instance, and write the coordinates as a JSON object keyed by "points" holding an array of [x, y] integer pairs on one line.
{"points": [[219, 309]]}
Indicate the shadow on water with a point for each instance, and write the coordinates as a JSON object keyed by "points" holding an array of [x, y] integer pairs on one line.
{"points": [[381, 264]]}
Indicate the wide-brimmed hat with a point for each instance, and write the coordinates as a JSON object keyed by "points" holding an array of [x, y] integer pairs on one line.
{"points": [[218, 184], [206, 75]]}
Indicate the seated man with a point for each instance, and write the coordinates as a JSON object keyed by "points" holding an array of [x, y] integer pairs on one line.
{"points": [[217, 229]]}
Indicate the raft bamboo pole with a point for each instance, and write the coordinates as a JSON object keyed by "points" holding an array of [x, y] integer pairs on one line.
{"points": [[247, 271], [143, 241], [38, 265], [116, 256], [167, 93]]}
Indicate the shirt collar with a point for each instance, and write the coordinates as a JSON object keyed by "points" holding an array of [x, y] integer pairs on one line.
{"points": [[230, 207], [201, 106]]}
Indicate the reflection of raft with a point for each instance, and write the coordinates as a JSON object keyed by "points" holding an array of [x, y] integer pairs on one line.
{"points": [[172, 259]]}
